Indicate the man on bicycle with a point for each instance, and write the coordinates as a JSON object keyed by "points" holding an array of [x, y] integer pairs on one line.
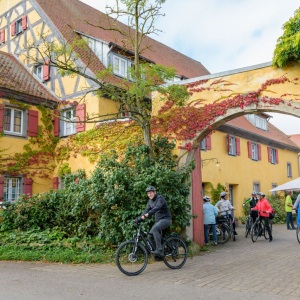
{"points": [[157, 205], [223, 205], [264, 205], [252, 202]]}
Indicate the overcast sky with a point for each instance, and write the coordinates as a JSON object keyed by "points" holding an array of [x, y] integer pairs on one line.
{"points": [[225, 34]]}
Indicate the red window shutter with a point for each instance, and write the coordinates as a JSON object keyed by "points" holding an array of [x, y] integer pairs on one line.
{"points": [[277, 159], [46, 70], [33, 122], [24, 22], [249, 149], [1, 187], [1, 117], [269, 154], [56, 123], [55, 183], [208, 142], [238, 146], [259, 151], [80, 117], [28, 186], [13, 28], [2, 36]]}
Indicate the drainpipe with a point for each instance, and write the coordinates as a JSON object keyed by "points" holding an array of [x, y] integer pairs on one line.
{"points": [[299, 163]]}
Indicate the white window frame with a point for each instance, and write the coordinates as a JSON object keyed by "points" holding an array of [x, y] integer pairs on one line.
{"points": [[7, 189], [261, 123], [11, 131], [117, 70], [19, 28], [289, 170], [274, 185], [67, 123], [273, 156], [203, 144], [36, 68], [232, 145], [254, 150], [256, 186]]}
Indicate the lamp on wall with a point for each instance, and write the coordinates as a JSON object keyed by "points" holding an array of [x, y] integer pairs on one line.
{"points": [[205, 162]]}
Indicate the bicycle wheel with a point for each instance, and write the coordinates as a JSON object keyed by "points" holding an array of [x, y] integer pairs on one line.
{"points": [[131, 262], [247, 228], [254, 229], [223, 233], [298, 233], [175, 252]]}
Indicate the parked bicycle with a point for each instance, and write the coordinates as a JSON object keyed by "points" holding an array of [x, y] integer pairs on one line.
{"points": [[258, 229], [132, 256], [224, 228], [249, 223]]}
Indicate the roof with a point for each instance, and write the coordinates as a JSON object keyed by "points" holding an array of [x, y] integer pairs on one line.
{"points": [[295, 138], [273, 132], [69, 15], [15, 77]]}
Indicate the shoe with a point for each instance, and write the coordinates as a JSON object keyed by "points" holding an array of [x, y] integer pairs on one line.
{"points": [[270, 240], [215, 244], [235, 233], [289, 228], [158, 252], [294, 228], [206, 244], [158, 258]]}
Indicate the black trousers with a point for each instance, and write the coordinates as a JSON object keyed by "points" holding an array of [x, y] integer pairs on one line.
{"points": [[266, 219]]}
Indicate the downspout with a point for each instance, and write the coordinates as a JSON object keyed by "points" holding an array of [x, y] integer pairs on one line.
{"points": [[299, 163]]}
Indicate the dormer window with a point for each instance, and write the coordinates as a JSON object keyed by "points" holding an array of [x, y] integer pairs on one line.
{"points": [[120, 66], [258, 121], [38, 71]]}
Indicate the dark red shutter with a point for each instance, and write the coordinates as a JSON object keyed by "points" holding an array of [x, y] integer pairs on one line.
{"points": [[55, 183], [1, 187], [46, 70], [13, 28], [208, 142], [277, 159], [33, 122], [238, 146], [2, 36], [249, 149], [80, 117], [56, 123], [24, 22], [28, 186], [1, 117], [269, 154], [259, 151]]}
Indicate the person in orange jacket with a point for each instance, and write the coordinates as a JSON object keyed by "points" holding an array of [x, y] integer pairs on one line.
{"points": [[263, 205]]}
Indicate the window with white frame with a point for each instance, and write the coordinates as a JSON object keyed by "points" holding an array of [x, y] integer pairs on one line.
{"points": [[289, 170], [120, 66], [232, 146], [203, 144], [69, 121], [19, 26], [254, 151], [273, 156], [261, 123], [11, 191], [256, 186], [13, 121], [274, 185], [38, 71]]}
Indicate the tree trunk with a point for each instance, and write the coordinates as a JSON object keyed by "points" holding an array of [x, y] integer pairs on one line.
{"points": [[147, 139]]}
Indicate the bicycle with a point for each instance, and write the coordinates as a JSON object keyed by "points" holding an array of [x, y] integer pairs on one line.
{"points": [[249, 223], [132, 255], [257, 230], [224, 229], [229, 224]]}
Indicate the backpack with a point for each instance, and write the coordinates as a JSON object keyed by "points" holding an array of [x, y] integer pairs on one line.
{"points": [[272, 214]]}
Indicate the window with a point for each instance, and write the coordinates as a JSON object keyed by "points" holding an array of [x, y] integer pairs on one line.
{"points": [[256, 186], [273, 156], [274, 185], [38, 71], [19, 26], [232, 146], [261, 123], [120, 66], [13, 120], [11, 189], [203, 144], [254, 151], [289, 170], [70, 117]]}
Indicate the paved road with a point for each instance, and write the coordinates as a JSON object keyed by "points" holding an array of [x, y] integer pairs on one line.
{"points": [[236, 270]]}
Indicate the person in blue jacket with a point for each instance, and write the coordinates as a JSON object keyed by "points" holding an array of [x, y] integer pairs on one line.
{"points": [[209, 212]]}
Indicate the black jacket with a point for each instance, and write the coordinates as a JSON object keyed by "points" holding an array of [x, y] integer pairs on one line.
{"points": [[159, 207]]}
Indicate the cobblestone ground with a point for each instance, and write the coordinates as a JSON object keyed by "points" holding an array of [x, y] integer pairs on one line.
{"points": [[263, 267]]}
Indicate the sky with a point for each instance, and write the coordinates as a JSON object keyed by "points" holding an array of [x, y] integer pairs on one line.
{"points": [[225, 34]]}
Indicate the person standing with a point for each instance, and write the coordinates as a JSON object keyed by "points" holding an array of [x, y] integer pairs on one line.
{"points": [[209, 213], [252, 201], [289, 209]]}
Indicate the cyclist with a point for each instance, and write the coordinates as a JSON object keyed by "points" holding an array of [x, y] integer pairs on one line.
{"points": [[252, 201], [209, 213], [157, 205], [264, 205], [223, 205]]}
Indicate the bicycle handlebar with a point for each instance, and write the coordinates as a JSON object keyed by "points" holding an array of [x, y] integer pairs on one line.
{"points": [[265, 212]]}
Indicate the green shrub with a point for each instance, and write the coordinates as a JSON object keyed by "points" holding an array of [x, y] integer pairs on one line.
{"points": [[277, 202], [215, 192]]}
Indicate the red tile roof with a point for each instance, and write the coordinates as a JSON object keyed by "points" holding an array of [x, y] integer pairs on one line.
{"points": [[295, 138], [273, 132], [15, 77], [67, 15]]}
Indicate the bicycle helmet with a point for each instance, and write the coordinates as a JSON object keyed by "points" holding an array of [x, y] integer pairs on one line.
{"points": [[223, 194], [254, 193], [150, 189], [261, 194], [206, 199]]}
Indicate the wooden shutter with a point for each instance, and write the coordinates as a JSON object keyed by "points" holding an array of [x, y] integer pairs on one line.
{"points": [[24, 22], [228, 143], [1, 187], [13, 29], [46, 70], [208, 142], [249, 149], [56, 123], [259, 151], [33, 122], [1, 117], [2, 33], [269, 154], [55, 183], [80, 117], [28, 186], [238, 146], [277, 159]]}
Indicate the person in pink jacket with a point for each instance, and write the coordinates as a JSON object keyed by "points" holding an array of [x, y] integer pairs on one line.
{"points": [[264, 205]]}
